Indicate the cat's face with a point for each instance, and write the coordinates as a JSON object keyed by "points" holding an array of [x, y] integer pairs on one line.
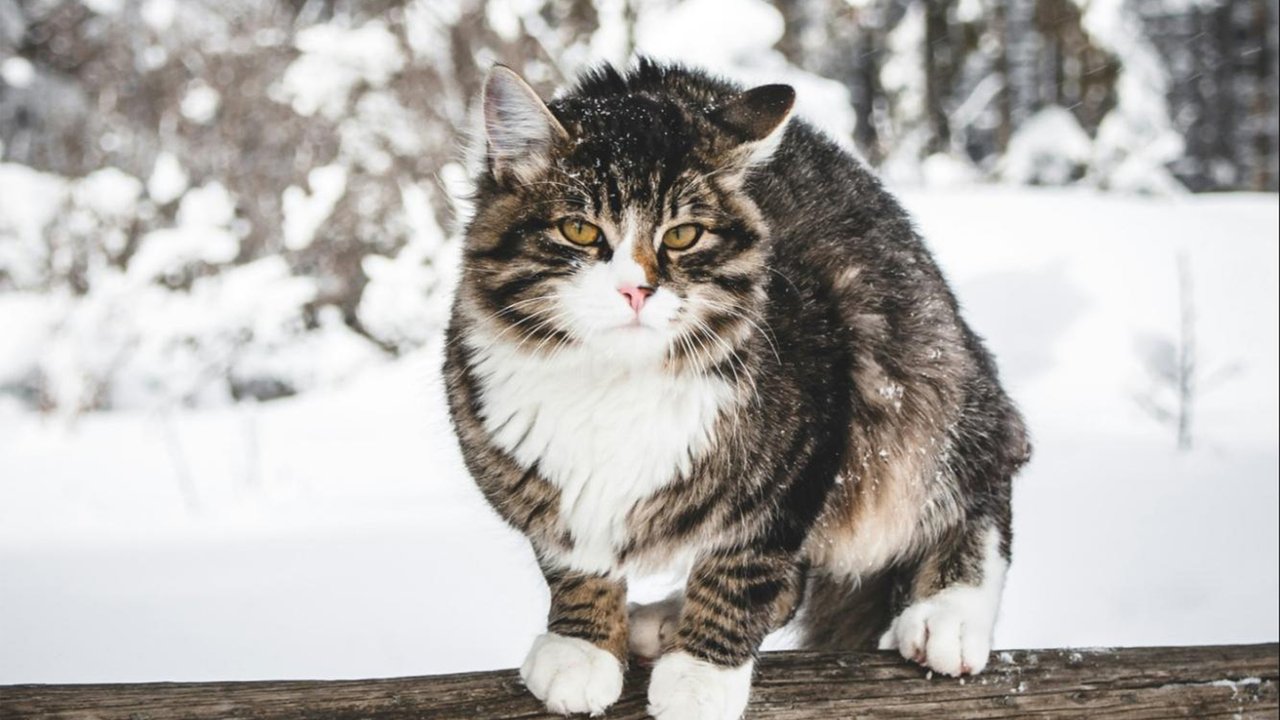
{"points": [[618, 224]]}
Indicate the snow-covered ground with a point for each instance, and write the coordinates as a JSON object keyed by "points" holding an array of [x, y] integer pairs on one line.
{"points": [[336, 534]]}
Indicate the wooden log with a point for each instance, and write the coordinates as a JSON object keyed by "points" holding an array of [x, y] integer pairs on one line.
{"points": [[1181, 682]]}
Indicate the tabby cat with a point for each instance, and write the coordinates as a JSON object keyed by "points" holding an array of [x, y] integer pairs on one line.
{"points": [[692, 329]]}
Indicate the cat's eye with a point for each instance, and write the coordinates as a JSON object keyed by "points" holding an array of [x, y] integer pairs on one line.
{"points": [[578, 231], [682, 237]]}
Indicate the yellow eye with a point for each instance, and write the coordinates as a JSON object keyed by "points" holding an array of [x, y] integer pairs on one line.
{"points": [[579, 232], [681, 237]]}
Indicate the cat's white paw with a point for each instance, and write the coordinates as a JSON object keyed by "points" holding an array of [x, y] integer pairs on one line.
{"points": [[652, 627], [683, 687], [572, 676], [949, 632]]}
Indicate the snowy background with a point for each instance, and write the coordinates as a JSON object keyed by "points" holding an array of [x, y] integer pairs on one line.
{"points": [[228, 238]]}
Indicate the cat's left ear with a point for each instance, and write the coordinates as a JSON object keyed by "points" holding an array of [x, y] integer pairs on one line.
{"points": [[520, 132], [754, 122]]}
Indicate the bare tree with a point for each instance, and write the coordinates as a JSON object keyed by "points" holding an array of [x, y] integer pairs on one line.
{"points": [[1177, 376]]}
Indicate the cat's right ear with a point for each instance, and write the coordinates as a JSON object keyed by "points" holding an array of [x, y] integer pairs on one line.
{"points": [[520, 131], [755, 122]]}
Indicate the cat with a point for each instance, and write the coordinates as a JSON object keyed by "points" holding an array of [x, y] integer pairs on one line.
{"points": [[690, 328]]}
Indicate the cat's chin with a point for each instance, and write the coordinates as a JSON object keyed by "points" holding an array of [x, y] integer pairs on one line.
{"points": [[635, 343]]}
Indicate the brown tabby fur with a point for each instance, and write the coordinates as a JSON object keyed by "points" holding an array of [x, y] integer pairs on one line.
{"points": [[867, 447]]}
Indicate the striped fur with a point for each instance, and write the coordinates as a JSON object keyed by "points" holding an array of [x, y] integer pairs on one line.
{"points": [[797, 410]]}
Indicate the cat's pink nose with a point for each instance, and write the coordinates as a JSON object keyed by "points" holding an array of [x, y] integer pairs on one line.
{"points": [[636, 295]]}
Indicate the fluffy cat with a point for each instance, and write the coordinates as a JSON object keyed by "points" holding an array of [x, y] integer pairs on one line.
{"points": [[692, 328]]}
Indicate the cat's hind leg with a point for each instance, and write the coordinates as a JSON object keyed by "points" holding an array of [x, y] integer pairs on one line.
{"points": [[653, 626], [841, 614], [948, 622]]}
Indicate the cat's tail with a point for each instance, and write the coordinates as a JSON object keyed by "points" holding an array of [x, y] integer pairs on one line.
{"points": [[842, 614]]}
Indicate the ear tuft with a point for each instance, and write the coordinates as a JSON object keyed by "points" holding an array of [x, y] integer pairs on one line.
{"points": [[756, 113], [519, 128]]}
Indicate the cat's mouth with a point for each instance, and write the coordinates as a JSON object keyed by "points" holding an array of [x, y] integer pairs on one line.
{"points": [[634, 326]]}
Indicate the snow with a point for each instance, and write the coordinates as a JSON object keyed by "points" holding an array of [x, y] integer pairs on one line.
{"points": [[334, 61], [104, 7], [942, 170], [394, 306], [200, 104], [168, 250], [26, 321], [304, 213], [739, 45], [427, 25], [134, 345], [720, 36], [902, 74], [168, 180], [323, 357], [201, 235], [17, 72], [503, 17], [969, 11], [336, 533], [110, 193], [1136, 140], [159, 14], [1050, 148], [1235, 684], [903, 79], [611, 40], [29, 201], [209, 205], [380, 124]]}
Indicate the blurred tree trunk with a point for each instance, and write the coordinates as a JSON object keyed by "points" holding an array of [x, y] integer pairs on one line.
{"points": [[940, 56], [866, 91], [1259, 25], [1004, 100]]}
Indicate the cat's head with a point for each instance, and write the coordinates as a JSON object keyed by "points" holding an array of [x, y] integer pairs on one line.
{"points": [[614, 220]]}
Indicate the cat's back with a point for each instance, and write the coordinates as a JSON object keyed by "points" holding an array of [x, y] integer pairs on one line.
{"points": [[826, 207], [847, 261]]}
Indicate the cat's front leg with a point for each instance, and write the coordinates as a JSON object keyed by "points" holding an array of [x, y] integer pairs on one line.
{"points": [[948, 623], [732, 600], [577, 666]]}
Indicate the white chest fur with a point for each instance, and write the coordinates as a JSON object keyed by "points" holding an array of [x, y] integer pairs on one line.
{"points": [[606, 433]]}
